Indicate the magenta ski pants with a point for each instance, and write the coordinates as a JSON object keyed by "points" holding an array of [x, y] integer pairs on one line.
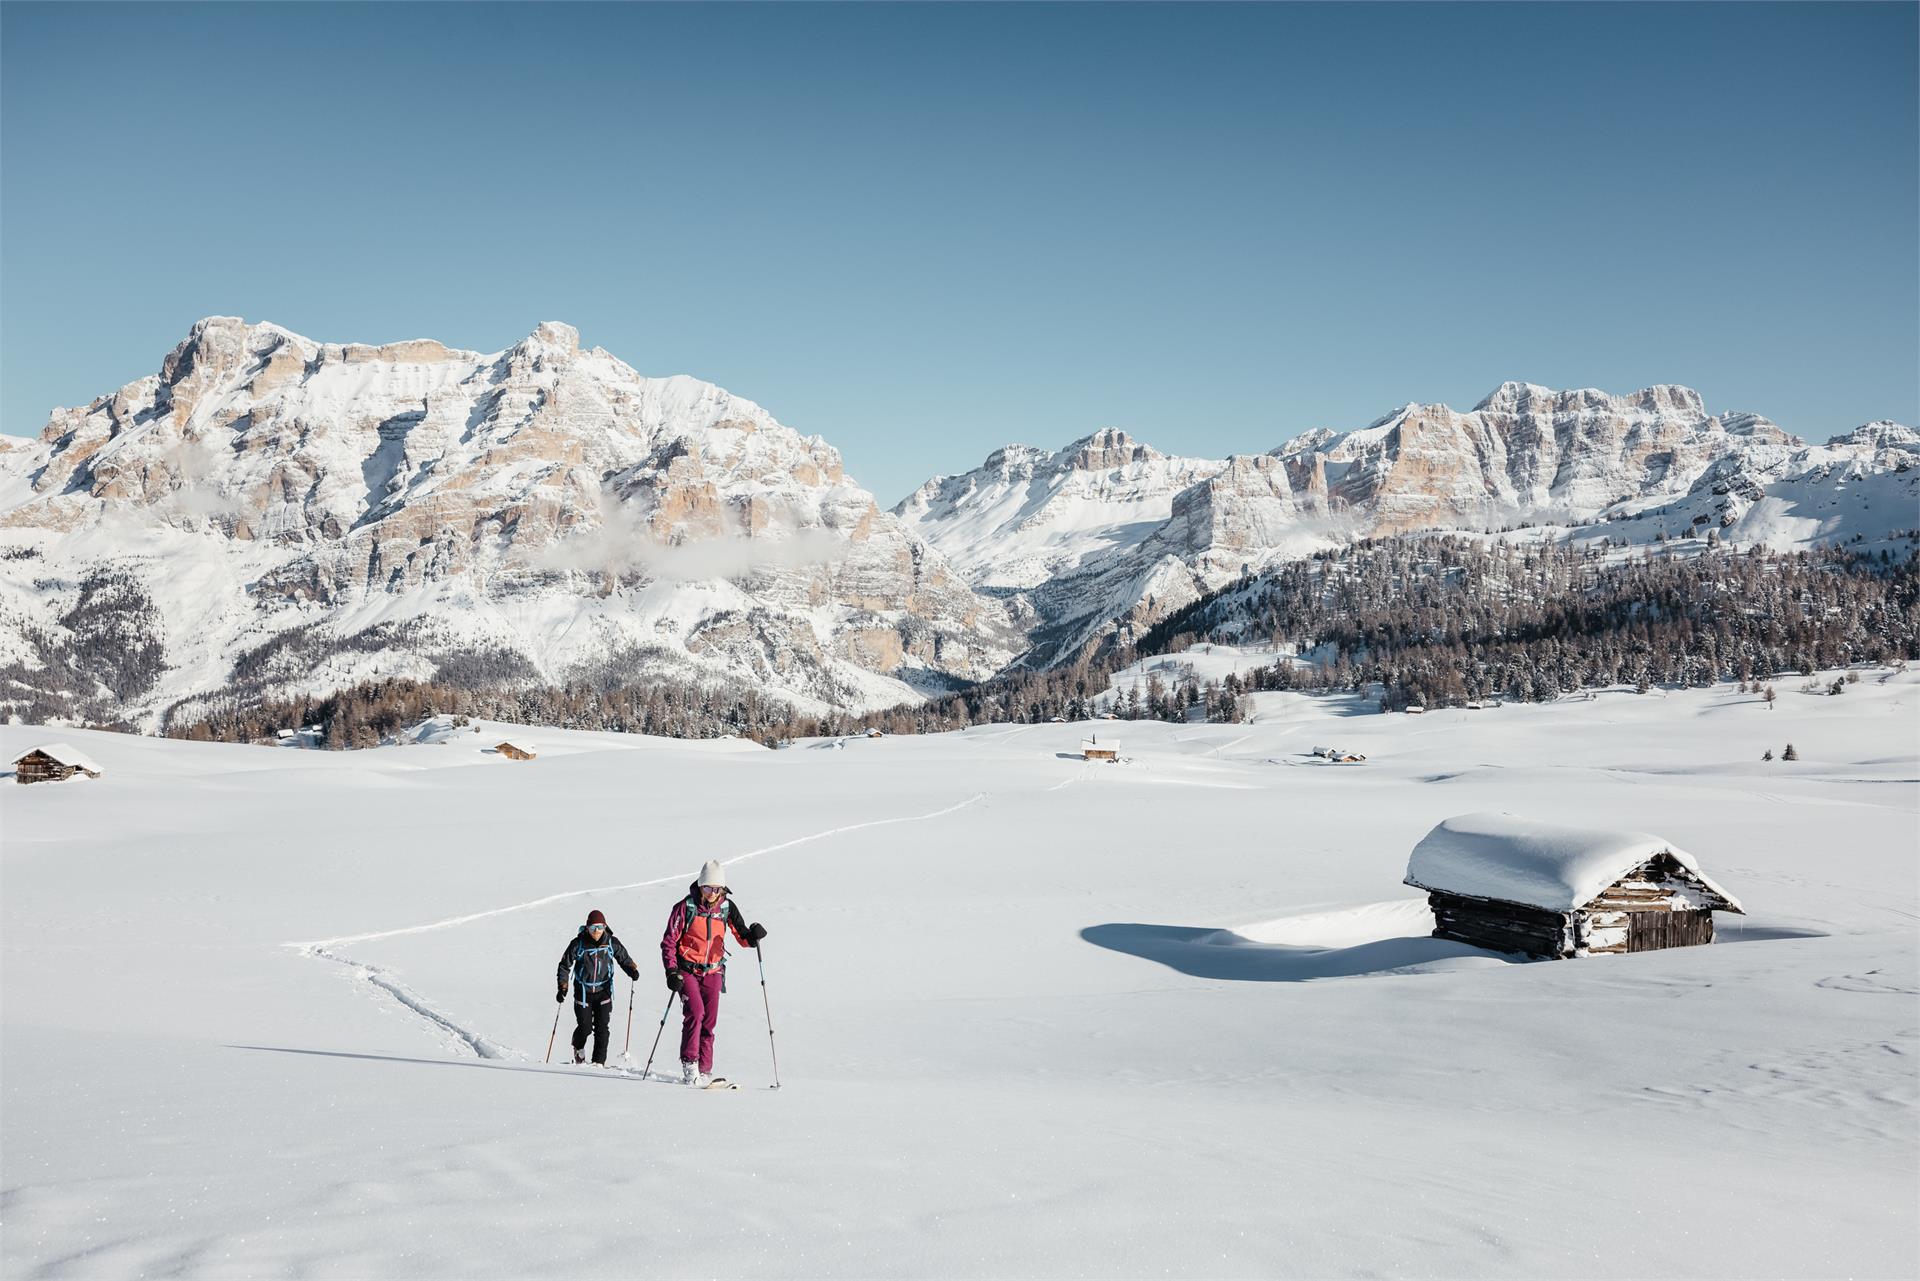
{"points": [[700, 1006]]}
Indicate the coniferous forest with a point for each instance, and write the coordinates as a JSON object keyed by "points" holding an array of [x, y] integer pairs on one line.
{"points": [[1442, 621], [1436, 620]]}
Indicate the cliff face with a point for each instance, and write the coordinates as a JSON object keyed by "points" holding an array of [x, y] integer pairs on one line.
{"points": [[1109, 534], [272, 514], [1526, 450], [544, 502]]}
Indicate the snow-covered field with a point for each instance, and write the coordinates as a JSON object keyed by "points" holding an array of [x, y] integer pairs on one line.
{"points": [[273, 1012]]}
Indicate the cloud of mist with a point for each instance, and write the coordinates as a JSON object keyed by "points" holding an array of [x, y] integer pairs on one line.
{"points": [[196, 495], [621, 544]]}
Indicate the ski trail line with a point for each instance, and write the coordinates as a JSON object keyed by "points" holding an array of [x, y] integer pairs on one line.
{"points": [[633, 885], [483, 1047], [457, 1036]]}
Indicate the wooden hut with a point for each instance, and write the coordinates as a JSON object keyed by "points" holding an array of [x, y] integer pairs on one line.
{"points": [[511, 752], [1091, 749], [51, 762], [1339, 755], [1554, 891]]}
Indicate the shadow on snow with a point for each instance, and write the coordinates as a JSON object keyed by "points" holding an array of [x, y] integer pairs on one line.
{"points": [[1222, 954], [489, 1065]]}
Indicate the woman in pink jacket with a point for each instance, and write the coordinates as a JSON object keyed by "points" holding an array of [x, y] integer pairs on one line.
{"points": [[694, 951]]}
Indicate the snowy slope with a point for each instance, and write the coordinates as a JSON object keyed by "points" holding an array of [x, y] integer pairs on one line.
{"points": [[1025, 516], [289, 515], [1174, 1017], [1108, 535]]}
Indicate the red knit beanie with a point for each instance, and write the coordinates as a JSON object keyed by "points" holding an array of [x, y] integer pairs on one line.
{"points": [[596, 917]]}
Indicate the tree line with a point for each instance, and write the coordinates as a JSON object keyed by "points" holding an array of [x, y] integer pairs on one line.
{"points": [[1446, 620], [1433, 620]]}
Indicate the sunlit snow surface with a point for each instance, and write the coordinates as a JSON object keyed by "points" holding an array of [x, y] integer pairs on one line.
{"points": [[276, 1012]]}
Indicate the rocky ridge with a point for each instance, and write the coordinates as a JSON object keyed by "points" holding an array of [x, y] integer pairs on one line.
{"points": [[1044, 529], [268, 514], [301, 513]]}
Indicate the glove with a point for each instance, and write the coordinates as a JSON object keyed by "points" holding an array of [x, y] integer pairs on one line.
{"points": [[560, 996], [756, 932], [673, 981]]}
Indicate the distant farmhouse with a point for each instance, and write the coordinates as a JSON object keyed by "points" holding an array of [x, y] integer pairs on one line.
{"points": [[1092, 749], [1553, 891], [51, 762]]}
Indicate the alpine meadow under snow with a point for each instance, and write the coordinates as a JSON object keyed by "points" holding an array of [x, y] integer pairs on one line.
{"points": [[273, 1012]]}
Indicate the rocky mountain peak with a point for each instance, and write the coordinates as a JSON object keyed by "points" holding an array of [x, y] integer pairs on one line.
{"points": [[550, 337], [214, 344], [1514, 397], [1671, 398], [672, 526], [215, 348], [1105, 541], [1531, 398], [1310, 441], [1106, 449], [1883, 433]]}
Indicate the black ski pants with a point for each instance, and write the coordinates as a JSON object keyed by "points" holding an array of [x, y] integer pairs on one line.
{"points": [[592, 1018]]}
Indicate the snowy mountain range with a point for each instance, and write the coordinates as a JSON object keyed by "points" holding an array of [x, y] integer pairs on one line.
{"points": [[270, 515], [275, 514], [1110, 533]]}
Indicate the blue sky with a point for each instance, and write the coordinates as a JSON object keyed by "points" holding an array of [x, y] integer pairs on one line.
{"points": [[924, 231]]}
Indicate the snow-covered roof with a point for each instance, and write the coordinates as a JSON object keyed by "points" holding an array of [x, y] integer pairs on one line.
{"points": [[1549, 865], [65, 753]]}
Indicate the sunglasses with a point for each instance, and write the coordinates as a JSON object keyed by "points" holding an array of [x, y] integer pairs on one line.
{"points": [[595, 929]]}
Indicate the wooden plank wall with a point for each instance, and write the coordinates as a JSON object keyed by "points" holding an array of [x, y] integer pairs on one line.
{"points": [[1503, 927], [35, 768], [1650, 931]]}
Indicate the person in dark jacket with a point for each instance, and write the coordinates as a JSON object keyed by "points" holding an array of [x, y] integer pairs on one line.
{"points": [[694, 951], [590, 959]]}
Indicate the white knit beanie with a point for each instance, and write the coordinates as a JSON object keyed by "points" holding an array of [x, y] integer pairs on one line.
{"points": [[712, 874]]}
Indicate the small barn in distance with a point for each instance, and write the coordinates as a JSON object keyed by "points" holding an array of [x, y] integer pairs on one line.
{"points": [[1554, 891], [1092, 749], [511, 752], [1339, 755], [51, 762]]}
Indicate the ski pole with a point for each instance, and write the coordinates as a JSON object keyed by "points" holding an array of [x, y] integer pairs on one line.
{"points": [[555, 1032], [645, 1071], [627, 1049], [769, 1009]]}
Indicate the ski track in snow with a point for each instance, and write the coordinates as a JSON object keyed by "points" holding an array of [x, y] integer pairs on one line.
{"points": [[472, 1042], [456, 1035]]}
